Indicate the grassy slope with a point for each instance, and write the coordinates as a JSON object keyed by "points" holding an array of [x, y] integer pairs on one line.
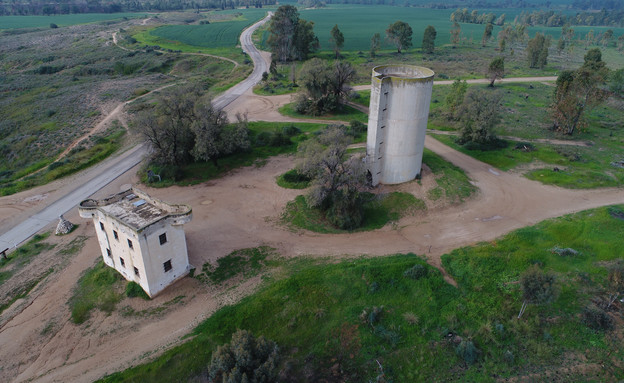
{"points": [[305, 311], [18, 22]]}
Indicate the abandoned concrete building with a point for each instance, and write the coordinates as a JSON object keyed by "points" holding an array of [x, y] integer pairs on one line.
{"points": [[397, 122], [141, 237]]}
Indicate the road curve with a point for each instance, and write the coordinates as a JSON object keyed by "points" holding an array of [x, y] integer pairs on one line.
{"points": [[111, 168]]}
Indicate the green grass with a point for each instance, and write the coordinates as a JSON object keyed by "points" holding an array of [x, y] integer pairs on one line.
{"points": [[245, 262], [293, 180], [96, 288], [346, 114], [214, 35], [78, 159], [319, 313], [453, 183], [378, 211], [26, 252], [15, 22]]}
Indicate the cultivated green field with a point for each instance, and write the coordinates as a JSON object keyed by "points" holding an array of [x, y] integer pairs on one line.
{"points": [[14, 22], [360, 312], [214, 35], [358, 23]]}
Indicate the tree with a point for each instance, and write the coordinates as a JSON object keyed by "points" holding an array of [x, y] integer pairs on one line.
{"points": [[400, 34], [496, 70], [537, 51], [538, 287], [168, 126], [214, 139], [245, 359], [617, 82], [479, 114], [455, 97], [325, 86], [375, 44], [487, 33], [291, 38], [337, 39], [455, 34], [306, 41], [282, 30], [577, 92], [428, 44], [337, 178], [184, 126]]}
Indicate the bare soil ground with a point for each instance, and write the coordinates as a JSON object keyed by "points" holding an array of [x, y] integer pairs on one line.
{"points": [[238, 211]]}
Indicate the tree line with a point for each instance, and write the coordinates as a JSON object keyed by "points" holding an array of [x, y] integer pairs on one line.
{"points": [[63, 7]]}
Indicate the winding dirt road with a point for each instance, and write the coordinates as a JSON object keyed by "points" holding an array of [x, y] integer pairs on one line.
{"points": [[241, 210]]}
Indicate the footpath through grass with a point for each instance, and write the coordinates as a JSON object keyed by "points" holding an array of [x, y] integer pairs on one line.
{"points": [[399, 312]]}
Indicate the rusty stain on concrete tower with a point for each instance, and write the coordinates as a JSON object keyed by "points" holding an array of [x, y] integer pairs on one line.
{"points": [[397, 123]]}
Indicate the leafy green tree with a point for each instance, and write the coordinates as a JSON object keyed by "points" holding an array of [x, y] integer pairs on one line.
{"points": [[306, 41], [577, 92], [479, 114], [617, 82], [291, 38], [496, 70], [487, 33], [400, 34], [337, 177], [455, 97], [167, 127], [245, 359], [428, 44], [537, 51], [537, 286], [215, 138], [337, 39], [375, 44], [325, 86], [282, 30]]}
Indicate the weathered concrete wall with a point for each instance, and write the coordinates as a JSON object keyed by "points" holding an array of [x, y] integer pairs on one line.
{"points": [[397, 123]]}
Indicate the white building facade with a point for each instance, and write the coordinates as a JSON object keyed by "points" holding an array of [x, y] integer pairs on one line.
{"points": [[397, 122], [141, 237]]}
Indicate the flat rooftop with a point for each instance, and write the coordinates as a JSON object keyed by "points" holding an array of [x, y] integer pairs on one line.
{"points": [[135, 208]]}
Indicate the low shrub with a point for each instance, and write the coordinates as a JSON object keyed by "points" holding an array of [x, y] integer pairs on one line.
{"points": [[416, 272], [596, 318], [134, 290]]}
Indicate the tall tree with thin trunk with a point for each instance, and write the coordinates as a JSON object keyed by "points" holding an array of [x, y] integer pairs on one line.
{"points": [[375, 44], [537, 51], [428, 44], [487, 33], [337, 39], [400, 34], [455, 34], [496, 70]]}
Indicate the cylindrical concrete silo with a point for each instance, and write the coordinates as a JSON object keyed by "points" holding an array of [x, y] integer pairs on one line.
{"points": [[397, 122]]}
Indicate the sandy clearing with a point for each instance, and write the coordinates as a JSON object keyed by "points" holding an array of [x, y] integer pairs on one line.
{"points": [[240, 210]]}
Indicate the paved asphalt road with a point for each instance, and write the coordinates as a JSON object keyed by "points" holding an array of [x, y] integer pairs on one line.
{"points": [[118, 165]]}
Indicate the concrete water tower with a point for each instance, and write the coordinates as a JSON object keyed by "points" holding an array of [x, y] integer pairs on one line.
{"points": [[397, 122]]}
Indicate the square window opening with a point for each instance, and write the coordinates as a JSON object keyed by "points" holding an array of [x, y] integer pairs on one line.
{"points": [[108, 252], [130, 245], [115, 235], [167, 265], [102, 226], [121, 260], [136, 272], [162, 238]]}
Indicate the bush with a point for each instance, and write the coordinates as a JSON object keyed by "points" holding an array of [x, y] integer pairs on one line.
{"points": [[467, 351], [291, 130], [346, 212], [537, 286], [53, 26], [245, 359], [134, 290], [416, 272], [596, 318]]}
